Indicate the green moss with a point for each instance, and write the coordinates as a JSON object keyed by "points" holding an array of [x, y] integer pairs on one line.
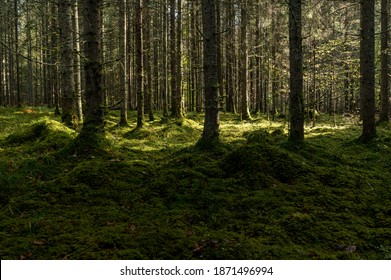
{"points": [[154, 194]]}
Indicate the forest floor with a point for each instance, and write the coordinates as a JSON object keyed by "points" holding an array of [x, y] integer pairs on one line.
{"points": [[152, 194]]}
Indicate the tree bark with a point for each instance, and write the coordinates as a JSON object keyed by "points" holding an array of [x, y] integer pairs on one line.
{"points": [[122, 31], [243, 75], [367, 69], [147, 59], [384, 60], [139, 63], [296, 132], [173, 58], [78, 82], [66, 66], [94, 114], [211, 124]]}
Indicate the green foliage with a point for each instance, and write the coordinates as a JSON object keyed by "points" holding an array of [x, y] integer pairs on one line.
{"points": [[153, 194]]}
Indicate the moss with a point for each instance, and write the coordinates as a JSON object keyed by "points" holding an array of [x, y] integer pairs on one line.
{"points": [[154, 194], [43, 135]]}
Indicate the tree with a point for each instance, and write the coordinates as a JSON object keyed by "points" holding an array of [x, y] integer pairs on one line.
{"points": [[367, 69], [122, 31], [16, 30], [296, 131], [164, 76], [243, 77], [66, 67], [211, 124], [147, 59], [230, 57], [176, 97], [78, 81], [139, 63], [94, 114], [384, 59]]}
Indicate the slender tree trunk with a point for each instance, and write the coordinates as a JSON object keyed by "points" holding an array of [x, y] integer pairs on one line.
{"points": [[384, 60], [147, 59], [17, 66], [30, 86], [78, 82], [230, 58], [219, 48], [296, 133], [258, 80], [211, 125], [243, 75], [122, 31], [139, 63], [164, 82], [173, 58], [66, 67], [367, 68], [54, 88], [179, 95], [129, 66]]}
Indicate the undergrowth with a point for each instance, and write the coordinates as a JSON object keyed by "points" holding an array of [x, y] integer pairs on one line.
{"points": [[154, 194]]}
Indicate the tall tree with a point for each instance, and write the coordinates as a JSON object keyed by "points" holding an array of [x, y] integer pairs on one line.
{"points": [[243, 77], [384, 80], [164, 78], [66, 66], [16, 30], [147, 59], [94, 114], [230, 57], [367, 69], [178, 111], [176, 106], [122, 31], [211, 124], [138, 25], [78, 81], [296, 130]]}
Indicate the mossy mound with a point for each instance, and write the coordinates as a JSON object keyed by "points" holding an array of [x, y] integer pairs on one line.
{"points": [[42, 135], [182, 130], [259, 163]]}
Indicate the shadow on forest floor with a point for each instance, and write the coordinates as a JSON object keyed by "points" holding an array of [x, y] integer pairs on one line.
{"points": [[154, 195]]}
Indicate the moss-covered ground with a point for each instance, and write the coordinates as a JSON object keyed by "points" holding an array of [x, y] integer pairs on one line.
{"points": [[153, 194]]}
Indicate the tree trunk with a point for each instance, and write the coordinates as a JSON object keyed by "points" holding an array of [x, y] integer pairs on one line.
{"points": [[173, 58], [211, 124], [78, 82], [139, 63], [367, 68], [147, 59], [384, 80], [164, 83], [17, 77], [122, 31], [243, 75], [179, 96], [296, 132], [94, 114], [230, 58], [66, 66]]}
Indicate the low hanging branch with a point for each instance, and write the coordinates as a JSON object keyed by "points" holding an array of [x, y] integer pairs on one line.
{"points": [[113, 106], [26, 57]]}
